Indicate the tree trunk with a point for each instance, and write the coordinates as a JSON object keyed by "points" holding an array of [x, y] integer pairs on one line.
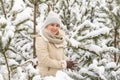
{"points": [[34, 39], [115, 43]]}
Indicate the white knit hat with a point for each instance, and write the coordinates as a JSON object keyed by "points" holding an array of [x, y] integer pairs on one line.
{"points": [[52, 18]]}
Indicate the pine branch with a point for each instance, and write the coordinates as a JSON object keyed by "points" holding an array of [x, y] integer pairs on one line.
{"points": [[118, 60], [3, 8], [0, 44], [7, 65], [11, 3], [17, 52], [21, 22], [28, 61], [23, 64], [3, 51]]}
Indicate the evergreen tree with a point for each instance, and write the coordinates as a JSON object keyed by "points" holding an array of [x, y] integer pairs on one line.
{"points": [[112, 10], [6, 35], [89, 38], [18, 47]]}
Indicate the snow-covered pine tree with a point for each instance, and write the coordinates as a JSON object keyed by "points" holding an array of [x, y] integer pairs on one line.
{"points": [[19, 20], [112, 10], [75, 16], [94, 38], [6, 35], [81, 25], [23, 41]]}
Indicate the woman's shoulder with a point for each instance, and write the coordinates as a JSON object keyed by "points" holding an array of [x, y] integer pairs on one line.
{"points": [[41, 38], [38, 37]]}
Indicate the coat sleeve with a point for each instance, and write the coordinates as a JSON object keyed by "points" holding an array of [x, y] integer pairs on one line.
{"points": [[43, 55]]}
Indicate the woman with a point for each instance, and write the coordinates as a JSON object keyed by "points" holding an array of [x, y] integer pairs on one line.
{"points": [[50, 46]]}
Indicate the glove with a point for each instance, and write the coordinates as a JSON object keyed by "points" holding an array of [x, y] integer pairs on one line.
{"points": [[71, 65]]}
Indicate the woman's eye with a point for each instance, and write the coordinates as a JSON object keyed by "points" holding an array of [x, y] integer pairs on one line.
{"points": [[58, 25]]}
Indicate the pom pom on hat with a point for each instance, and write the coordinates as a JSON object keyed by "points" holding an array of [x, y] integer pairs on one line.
{"points": [[52, 18]]}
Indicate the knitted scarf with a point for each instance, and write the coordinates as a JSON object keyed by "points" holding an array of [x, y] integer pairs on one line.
{"points": [[55, 39]]}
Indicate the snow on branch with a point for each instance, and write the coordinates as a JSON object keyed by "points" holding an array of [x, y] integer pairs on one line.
{"points": [[80, 27], [23, 16], [89, 47], [110, 49], [18, 6], [95, 33]]}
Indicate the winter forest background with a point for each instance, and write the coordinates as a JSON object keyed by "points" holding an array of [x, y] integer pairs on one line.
{"points": [[93, 34]]}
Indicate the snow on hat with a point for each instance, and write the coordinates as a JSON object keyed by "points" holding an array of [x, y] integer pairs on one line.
{"points": [[52, 18]]}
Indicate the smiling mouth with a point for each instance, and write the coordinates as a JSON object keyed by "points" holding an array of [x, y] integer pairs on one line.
{"points": [[53, 30]]}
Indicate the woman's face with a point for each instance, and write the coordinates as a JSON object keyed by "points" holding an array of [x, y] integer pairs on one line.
{"points": [[54, 28]]}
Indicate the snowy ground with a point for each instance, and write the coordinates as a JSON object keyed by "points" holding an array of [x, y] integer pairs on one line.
{"points": [[59, 76]]}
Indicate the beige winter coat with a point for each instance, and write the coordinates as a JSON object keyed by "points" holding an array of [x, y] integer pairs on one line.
{"points": [[49, 56]]}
